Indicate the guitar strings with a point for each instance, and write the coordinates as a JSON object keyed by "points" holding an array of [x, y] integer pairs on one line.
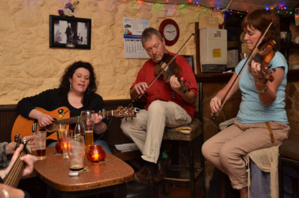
{"points": [[14, 174], [12, 178]]}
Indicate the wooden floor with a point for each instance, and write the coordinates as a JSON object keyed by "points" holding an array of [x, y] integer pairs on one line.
{"points": [[176, 192], [38, 189]]}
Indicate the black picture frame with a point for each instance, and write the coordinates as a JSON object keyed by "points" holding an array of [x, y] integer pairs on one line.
{"points": [[190, 60], [70, 32]]}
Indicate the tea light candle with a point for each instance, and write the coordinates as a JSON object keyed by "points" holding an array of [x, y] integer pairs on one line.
{"points": [[95, 157], [96, 153]]}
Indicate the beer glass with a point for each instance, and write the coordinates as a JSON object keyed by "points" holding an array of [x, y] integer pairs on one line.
{"points": [[76, 152], [40, 144], [61, 141], [88, 124]]}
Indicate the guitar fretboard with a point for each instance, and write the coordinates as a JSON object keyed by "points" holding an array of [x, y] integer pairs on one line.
{"points": [[73, 120]]}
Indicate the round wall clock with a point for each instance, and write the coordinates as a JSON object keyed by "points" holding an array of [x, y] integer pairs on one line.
{"points": [[169, 29]]}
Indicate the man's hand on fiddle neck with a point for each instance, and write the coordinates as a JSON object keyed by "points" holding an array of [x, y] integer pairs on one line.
{"points": [[188, 96]]}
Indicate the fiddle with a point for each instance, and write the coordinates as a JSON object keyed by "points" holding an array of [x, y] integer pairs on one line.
{"points": [[262, 51], [173, 69], [164, 68], [266, 52]]}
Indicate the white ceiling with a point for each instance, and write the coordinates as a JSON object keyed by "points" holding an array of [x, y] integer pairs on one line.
{"points": [[240, 5]]}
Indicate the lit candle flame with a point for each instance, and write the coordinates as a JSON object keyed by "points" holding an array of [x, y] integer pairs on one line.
{"points": [[96, 157]]}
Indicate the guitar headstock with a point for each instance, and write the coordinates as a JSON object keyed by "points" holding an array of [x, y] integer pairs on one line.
{"points": [[126, 112], [19, 139]]}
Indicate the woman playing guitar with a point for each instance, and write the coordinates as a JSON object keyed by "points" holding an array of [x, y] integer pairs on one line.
{"points": [[76, 92], [261, 110]]}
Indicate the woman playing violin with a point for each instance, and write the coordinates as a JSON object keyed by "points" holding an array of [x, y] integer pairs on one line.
{"points": [[262, 103], [166, 104]]}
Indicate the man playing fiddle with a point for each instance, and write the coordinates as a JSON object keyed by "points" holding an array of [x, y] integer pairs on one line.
{"points": [[167, 104]]}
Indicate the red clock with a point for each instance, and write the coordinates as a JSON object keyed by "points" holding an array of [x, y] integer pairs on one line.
{"points": [[169, 29]]}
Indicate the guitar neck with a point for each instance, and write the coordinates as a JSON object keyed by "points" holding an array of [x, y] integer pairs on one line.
{"points": [[15, 174], [73, 120]]}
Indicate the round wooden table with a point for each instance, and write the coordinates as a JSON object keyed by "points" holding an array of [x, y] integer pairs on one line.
{"points": [[110, 175]]}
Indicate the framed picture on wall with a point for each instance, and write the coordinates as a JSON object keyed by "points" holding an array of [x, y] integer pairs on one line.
{"points": [[190, 60], [70, 32]]}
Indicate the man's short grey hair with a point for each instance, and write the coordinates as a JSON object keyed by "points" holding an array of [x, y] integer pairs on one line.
{"points": [[148, 33]]}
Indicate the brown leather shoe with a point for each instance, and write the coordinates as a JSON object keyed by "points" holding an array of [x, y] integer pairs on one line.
{"points": [[144, 176], [161, 169]]}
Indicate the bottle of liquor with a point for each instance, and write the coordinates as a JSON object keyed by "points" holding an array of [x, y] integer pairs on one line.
{"points": [[79, 130]]}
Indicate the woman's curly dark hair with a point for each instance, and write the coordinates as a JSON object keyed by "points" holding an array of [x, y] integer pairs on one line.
{"points": [[64, 86]]}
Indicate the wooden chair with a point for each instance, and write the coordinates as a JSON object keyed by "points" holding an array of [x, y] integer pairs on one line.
{"points": [[289, 159], [174, 134]]}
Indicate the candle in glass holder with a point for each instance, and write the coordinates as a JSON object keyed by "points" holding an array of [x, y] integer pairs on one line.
{"points": [[96, 153]]}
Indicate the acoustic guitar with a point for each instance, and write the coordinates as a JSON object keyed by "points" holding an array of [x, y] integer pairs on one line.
{"points": [[15, 174], [61, 115]]}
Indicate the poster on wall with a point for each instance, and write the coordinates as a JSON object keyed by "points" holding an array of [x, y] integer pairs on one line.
{"points": [[133, 29]]}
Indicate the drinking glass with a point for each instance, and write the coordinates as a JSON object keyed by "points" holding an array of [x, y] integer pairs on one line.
{"points": [[40, 144], [76, 152], [64, 135], [61, 142], [88, 124]]}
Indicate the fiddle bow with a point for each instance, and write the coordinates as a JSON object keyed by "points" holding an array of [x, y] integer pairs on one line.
{"points": [[236, 80], [164, 67]]}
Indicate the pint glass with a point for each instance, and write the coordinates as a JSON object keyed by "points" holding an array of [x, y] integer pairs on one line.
{"points": [[40, 144], [88, 120]]}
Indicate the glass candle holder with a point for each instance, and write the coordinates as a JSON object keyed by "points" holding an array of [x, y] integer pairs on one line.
{"points": [[96, 153]]}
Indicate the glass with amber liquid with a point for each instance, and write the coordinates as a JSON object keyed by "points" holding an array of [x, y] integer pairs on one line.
{"points": [[88, 120], [40, 144]]}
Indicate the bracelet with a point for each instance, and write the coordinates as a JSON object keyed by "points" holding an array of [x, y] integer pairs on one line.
{"points": [[5, 193], [263, 90]]}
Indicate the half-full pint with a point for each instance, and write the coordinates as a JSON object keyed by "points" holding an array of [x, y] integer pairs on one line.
{"points": [[88, 139], [76, 152], [40, 144]]}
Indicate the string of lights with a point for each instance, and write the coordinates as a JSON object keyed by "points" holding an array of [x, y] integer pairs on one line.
{"points": [[280, 9]]}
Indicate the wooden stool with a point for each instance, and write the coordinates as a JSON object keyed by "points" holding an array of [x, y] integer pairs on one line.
{"points": [[289, 158], [173, 134]]}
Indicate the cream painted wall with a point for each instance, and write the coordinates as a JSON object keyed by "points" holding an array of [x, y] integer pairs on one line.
{"points": [[28, 66]]}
